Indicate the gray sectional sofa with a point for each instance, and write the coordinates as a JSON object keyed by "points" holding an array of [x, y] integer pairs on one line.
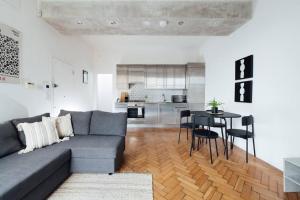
{"points": [[97, 147]]}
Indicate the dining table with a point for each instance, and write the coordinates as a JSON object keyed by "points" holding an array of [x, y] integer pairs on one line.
{"points": [[221, 115]]}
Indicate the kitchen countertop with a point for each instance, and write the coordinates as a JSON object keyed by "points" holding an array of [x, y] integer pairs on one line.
{"points": [[150, 102]]}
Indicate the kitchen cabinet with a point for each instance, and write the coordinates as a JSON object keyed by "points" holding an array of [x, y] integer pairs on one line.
{"points": [[178, 107], [136, 74], [195, 75], [175, 77], [179, 77], [167, 114], [165, 77], [151, 77], [154, 78], [151, 113], [122, 77], [195, 82]]}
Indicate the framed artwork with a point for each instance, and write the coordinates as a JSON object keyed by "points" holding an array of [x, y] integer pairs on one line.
{"points": [[10, 40], [243, 92], [85, 77], [244, 68]]}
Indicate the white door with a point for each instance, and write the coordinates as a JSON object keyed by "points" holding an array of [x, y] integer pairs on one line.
{"points": [[63, 84]]}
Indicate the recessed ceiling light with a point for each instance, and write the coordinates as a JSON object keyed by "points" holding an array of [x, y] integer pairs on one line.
{"points": [[79, 22], [180, 23], [113, 22], [163, 23], [146, 23]]}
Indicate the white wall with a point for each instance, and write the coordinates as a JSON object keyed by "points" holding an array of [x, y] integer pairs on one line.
{"points": [[105, 92], [113, 50], [272, 36], [40, 44]]}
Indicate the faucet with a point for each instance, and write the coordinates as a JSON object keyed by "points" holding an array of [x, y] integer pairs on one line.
{"points": [[164, 97]]}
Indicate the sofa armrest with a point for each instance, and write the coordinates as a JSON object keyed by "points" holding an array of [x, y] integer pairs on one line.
{"points": [[105, 123]]}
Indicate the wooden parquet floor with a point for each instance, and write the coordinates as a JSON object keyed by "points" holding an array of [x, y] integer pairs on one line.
{"points": [[176, 175]]}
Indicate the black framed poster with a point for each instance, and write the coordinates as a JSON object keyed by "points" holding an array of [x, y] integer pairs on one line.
{"points": [[243, 92], [244, 68]]}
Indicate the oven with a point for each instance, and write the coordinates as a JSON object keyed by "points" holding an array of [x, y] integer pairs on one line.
{"points": [[136, 112]]}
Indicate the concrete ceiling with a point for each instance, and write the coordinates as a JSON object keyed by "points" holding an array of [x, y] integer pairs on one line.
{"points": [[143, 17]]}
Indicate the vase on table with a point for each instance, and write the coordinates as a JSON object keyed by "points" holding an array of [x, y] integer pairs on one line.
{"points": [[214, 109]]}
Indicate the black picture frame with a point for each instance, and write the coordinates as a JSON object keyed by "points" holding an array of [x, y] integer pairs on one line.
{"points": [[85, 77], [243, 96], [244, 68]]}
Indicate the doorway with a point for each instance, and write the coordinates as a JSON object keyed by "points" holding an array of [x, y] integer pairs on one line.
{"points": [[63, 86], [105, 92]]}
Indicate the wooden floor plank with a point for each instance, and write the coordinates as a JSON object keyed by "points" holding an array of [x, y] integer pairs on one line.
{"points": [[176, 175]]}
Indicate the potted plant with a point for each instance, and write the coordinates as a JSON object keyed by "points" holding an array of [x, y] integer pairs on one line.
{"points": [[214, 104]]}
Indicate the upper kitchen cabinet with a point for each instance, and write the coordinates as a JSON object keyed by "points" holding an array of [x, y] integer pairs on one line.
{"points": [[166, 77], [175, 77], [122, 77], [154, 77], [195, 74], [136, 74], [195, 82], [180, 77]]}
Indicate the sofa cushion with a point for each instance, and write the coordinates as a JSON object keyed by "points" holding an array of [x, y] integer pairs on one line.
{"points": [[93, 146], [21, 173], [80, 121], [104, 123], [27, 120], [9, 142]]}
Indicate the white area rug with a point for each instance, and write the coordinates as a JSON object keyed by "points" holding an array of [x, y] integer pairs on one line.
{"points": [[119, 186]]}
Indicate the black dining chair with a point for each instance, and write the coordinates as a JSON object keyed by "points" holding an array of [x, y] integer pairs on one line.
{"points": [[220, 125], [205, 123], [244, 134], [188, 125]]}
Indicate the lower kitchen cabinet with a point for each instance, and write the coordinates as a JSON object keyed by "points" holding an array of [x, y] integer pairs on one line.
{"points": [[167, 113], [151, 113]]}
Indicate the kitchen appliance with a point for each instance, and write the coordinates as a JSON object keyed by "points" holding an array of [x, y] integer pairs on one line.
{"points": [[179, 99], [136, 110]]}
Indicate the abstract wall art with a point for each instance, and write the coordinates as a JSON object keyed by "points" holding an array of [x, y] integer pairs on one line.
{"points": [[243, 92], [244, 68], [10, 40]]}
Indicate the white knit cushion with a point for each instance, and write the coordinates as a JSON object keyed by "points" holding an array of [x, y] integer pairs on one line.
{"points": [[64, 126], [50, 123], [38, 135]]}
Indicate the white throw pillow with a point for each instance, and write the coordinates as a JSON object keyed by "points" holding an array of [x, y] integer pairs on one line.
{"points": [[38, 135], [52, 121], [64, 126]]}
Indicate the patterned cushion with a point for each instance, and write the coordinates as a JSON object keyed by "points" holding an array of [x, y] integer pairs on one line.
{"points": [[27, 120], [38, 135]]}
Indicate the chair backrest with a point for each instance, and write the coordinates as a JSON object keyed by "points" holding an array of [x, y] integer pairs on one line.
{"points": [[247, 120], [185, 113], [199, 120]]}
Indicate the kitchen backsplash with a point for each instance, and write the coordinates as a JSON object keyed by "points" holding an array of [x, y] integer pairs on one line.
{"points": [[138, 92]]}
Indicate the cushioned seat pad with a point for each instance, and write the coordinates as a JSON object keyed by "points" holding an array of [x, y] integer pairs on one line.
{"points": [[94, 146], [19, 174], [186, 125], [218, 125], [205, 133], [239, 133]]}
